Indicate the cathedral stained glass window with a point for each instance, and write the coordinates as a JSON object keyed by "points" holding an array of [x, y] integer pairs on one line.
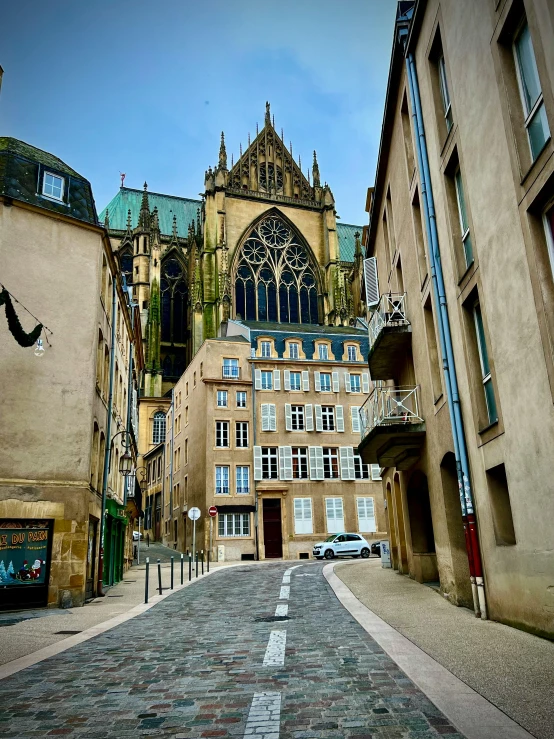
{"points": [[274, 278], [173, 290]]}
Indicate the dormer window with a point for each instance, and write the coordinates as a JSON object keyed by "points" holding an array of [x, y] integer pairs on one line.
{"points": [[53, 186], [323, 351]]}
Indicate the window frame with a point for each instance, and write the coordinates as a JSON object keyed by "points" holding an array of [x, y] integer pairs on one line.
{"points": [[270, 455], [264, 374], [221, 487], [265, 349], [222, 431], [299, 388], [484, 363], [243, 521], [241, 393], [225, 395], [239, 488], [331, 463], [328, 418], [241, 435], [162, 431], [329, 388], [465, 229], [352, 349], [294, 352], [298, 417], [445, 92], [59, 199], [323, 352], [300, 463]]}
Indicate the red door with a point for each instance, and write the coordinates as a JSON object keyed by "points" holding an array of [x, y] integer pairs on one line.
{"points": [[273, 538]]}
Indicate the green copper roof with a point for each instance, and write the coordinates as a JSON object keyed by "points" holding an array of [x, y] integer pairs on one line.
{"points": [[186, 209], [167, 205], [347, 242]]}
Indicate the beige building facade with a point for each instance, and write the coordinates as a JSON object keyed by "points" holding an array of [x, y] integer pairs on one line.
{"points": [[462, 414], [54, 426], [275, 453]]}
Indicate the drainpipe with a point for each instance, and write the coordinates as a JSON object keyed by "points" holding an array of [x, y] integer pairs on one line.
{"points": [[255, 482], [447, 352], [129, 397], [107, 450]]}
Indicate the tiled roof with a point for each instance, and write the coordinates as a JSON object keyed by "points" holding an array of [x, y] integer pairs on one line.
{"points": [[347, 242], [184, 208], [300, 328], [20, 148]]}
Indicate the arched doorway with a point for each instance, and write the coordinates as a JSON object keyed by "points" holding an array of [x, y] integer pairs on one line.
{"points": [[456, 583], [424, 558]]}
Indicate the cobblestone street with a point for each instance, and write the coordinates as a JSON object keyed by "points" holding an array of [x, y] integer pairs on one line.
{"points": [[214, 660]]}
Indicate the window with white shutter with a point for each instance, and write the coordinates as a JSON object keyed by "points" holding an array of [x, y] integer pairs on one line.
{"points": [[270, 467], [371, 282], [339, 413], [335, 515], [366, 514], [267, 380], [258, 379], [346, 455], [295, 381], [347, 382], [309, 416], [375, 472], [265, 416], [336, 387], [316, 462], [299, 463], [258, 463], [285, 463], [272, 417], [355, 418], [297, 417], [303, 516], [288, 416], [318, 418], [276, 379], [317, 381], [365, 382], [361, 470], [330, 463], [305, 381], [287, 379]]}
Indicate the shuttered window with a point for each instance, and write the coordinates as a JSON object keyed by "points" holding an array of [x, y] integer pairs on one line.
{"points": [[285, 463], [295, 381], [303, 516], [366, 514], [355, 418], [299, 463], [347, 470], [316, 462], [335, 515], [330, 462], [269, 463], [269, 417], [305, 381]]}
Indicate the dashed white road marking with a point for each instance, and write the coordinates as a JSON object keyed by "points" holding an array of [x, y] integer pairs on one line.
{"points": [[264, 716], [275, 652], [282, 609], [290, 569], [285, 592], [286, 579]]}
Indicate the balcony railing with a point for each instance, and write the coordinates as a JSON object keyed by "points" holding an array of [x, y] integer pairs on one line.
{"points": [[391, 311], [230, 373], [390, 406]]}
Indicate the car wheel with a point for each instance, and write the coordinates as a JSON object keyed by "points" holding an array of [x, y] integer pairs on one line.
{"points": [[365, 552], [329, 554]]}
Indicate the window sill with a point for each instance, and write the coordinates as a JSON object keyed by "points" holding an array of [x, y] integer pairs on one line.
{"points": [[489, 433], [468, 272], [537, 164]]}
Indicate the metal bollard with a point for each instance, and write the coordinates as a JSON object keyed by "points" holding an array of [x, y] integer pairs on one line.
{"points": [[208, 560], [202, 558], [146, 581], [190, 567], [172, 563], [196, 564], [159, 577], [182, 568]]}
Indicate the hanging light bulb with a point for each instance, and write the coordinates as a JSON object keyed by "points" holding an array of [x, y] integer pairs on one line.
{"points": [[39, 348]]}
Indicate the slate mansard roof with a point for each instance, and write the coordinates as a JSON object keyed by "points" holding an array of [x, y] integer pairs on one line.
{"points": [[22, 168], [186, 209]]}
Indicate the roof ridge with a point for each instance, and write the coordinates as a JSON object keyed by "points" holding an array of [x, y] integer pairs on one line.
{"points": [[160, 194]]}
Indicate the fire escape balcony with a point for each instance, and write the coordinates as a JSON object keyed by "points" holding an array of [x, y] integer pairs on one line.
{"points": [[390, 335], [393, 431]]}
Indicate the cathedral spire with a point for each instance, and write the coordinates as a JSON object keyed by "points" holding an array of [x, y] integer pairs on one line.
{"points": [[222, 153], [107, 220], [267, 114], [315, 172], [144, 215], [174, 234]]}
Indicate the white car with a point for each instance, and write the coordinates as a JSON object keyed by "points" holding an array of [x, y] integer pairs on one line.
{"points": [[342, 545]]}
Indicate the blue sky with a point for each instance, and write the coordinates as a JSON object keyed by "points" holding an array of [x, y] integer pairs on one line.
{"points": [[146, 88]]}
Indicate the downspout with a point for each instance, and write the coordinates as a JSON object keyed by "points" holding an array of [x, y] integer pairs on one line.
{"points": [[447, 352], [129, 398], [107, 450], [254, 481]]}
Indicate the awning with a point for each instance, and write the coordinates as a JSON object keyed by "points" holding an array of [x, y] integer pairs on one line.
{"points": [[222, 508]]}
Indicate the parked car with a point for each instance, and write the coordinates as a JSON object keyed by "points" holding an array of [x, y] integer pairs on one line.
{"points": [[376, 548], [137, 535], [341, 545]]}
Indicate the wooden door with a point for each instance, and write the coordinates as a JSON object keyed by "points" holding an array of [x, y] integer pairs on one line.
{"points": [[273, 537]]}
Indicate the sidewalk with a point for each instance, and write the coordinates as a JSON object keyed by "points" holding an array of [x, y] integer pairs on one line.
{"points": [[512, 669], [36, 629]]}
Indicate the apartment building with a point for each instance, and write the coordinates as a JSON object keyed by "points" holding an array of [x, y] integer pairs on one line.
{"points": [[70, 413], [460, 270], [265, 429]]}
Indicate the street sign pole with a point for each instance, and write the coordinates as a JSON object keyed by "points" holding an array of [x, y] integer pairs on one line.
{"points": [[193, 535], [194, 514], [212, 512]]}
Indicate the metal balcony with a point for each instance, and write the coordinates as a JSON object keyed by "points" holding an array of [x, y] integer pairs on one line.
{"points": [[229, 372], [390, 335], [393, 431]]}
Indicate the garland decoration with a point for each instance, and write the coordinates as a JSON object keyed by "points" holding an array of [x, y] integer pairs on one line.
{"points": [[16, 329]]}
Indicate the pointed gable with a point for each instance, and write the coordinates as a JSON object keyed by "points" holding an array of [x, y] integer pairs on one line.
{"points": [[268, 167]]}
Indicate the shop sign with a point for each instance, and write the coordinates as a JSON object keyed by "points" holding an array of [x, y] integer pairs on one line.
{"points": [[24, 552]]}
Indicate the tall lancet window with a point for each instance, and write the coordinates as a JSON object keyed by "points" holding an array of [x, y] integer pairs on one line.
{"points": [[126, 261], [173, 290], [274, 278]]}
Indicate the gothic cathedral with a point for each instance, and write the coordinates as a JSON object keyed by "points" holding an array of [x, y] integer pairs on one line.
{"points": [[263, 245]]}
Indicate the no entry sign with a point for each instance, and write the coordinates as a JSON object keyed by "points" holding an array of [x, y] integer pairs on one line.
{"points": [[212, 510]]}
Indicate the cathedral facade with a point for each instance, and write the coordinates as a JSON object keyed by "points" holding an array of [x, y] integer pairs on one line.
{"points": [[263, 244]]}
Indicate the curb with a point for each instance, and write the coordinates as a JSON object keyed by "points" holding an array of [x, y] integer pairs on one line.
{"points": [[21, 663], [474, 716]]}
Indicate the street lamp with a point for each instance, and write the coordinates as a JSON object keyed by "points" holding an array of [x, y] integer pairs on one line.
{"points": [[126, 464]]}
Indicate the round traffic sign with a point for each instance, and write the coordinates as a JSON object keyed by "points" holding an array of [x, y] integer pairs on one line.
{"points": [[212, 510], [194, 514]]}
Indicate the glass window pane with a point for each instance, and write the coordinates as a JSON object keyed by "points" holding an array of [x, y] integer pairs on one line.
{"points": [[461, 202], [491, 401], [530, 84], [483, 353], [538, 131]]}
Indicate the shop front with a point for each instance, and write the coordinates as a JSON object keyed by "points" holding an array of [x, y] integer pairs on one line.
{"points": [[114, 542], [25, 556]]}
